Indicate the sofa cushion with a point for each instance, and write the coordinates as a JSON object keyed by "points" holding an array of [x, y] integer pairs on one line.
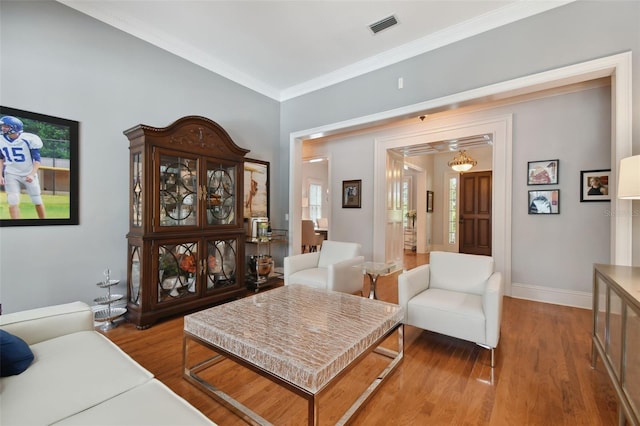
{"points": [[151, 404], [15, 354], [466, 273], [314, 277], [337, 251], [70, 374], [447, 312]]}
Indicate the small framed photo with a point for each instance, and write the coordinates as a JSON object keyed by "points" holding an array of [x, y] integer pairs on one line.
{"points": [[429, 201], [544, 202], [542, 172], [594, 185], [351, 194]]}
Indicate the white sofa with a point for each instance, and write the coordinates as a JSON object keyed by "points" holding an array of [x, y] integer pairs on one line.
{"points": [[456, 294], [335, 267], [79, 377]]}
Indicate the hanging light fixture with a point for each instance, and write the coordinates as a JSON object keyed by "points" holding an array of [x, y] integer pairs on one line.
{"points": [[462, 162]]}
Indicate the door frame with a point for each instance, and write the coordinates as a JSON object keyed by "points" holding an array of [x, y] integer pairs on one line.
{"points": [[459, 126]]}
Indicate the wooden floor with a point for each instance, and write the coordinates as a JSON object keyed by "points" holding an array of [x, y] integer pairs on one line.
{"points": [[543, 374]]}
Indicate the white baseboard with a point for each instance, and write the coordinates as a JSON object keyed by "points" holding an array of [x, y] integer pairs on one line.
{"points": [[577, 299]]}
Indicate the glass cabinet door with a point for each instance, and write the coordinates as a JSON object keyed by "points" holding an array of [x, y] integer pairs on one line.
{"points": [[178, 180], [135, 288], [137, 185], [220, 193], [614, 341], [222, 260], [600, 309], [631, 384], [177, 270]]}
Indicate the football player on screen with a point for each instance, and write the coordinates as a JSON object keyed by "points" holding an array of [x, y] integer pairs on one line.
{"points": [[19, 163]]}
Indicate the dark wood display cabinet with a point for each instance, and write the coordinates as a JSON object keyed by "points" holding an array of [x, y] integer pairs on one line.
{"points": [[186, 240]]}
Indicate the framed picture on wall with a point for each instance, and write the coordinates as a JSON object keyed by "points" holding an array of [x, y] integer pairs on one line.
{"points": [[256, 188], [351, 193], [594, 185], [42, 160], [429, 201], [542, 172], [544, 202]]}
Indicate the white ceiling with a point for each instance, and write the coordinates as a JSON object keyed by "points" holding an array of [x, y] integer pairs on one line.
{"points": [[284, 49]]}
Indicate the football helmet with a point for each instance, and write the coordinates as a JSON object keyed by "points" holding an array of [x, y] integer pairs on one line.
{"points": [[11, 125]]}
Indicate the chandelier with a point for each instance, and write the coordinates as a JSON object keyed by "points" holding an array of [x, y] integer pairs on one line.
{"points": [[462, 162]]}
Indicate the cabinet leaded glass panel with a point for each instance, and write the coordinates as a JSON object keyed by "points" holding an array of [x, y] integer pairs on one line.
{"points": [[136, 193], [221, 196], [222, 259], [177, 270], [134, 282], [178, 191]]}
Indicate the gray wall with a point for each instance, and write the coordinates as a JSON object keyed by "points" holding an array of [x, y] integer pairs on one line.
{"points": [[556, 251], [577, 32], [59, 62]]}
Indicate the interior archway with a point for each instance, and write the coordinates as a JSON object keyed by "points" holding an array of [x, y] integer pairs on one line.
{"points": [[618, 66]]}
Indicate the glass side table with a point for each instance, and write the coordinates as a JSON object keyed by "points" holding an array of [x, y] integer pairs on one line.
{"points": [[376, 270]]}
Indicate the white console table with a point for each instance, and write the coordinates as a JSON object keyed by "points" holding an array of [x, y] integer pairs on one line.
{"points": [[616, 334]]}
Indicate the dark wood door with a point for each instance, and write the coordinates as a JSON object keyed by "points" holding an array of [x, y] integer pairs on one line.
{"points": [[475, 213]]}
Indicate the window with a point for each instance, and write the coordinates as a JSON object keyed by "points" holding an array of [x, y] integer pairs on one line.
{"points": [[453, 209], [315, 202]]}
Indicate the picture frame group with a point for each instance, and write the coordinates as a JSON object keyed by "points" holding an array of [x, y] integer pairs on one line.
{"points": [[53, 186]]}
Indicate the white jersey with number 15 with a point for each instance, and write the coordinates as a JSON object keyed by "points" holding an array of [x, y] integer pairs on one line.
{"points": [[16, 153]]}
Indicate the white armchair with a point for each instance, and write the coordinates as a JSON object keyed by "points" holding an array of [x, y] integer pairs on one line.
{"points": [[458, 295], [334, 267]]}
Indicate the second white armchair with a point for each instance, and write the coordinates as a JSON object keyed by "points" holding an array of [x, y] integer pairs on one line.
{"points": [[456, 294], [334, 267]]}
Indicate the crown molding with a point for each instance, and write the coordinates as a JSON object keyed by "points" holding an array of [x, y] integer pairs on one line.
{"points": [[505, 15], [139, 29]]}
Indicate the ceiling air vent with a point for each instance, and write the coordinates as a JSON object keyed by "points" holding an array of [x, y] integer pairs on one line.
{"points": [[383, 24]]}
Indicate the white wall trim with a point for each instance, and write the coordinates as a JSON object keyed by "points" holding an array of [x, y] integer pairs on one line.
{"points": [[617, 66], [577, 299]]}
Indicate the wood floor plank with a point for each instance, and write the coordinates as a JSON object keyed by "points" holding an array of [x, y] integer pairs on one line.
{"points": [[543, 374]]}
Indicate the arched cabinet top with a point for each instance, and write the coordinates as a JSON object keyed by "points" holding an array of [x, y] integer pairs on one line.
{"points": [[190, 133]]}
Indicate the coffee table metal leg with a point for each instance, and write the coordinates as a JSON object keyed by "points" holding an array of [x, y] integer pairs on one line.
{"points": [[373, 278]]}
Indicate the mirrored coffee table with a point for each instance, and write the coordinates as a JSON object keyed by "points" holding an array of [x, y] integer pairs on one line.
{"points": [[301, 338]]}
